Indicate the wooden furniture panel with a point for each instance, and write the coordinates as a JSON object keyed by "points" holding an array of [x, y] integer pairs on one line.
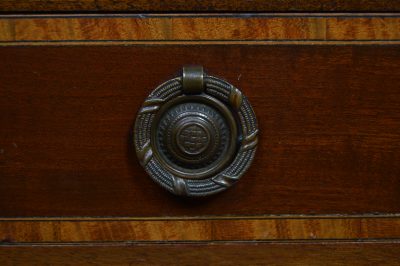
{"points": [[325, 186], [186, 29], [212, 253], [328, 117], [199, 6], [270, 228]]}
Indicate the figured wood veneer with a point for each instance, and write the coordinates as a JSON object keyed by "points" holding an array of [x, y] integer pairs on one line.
{"points": [[326, 92], [192, 29], [77, 230]]}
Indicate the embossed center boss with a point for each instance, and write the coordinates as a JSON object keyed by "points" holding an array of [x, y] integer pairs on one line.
{"points": [[196, 135]]}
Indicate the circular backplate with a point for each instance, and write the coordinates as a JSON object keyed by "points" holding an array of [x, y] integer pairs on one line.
{"points": [[196, 141]]}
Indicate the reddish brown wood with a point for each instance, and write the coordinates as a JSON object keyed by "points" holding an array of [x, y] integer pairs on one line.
{"points": [[329, 119], [76, 230], [200, 6], [300, 253], [195, 28]]}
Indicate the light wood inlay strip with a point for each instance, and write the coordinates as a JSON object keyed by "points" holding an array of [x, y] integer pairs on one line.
{"points": [[191, 28], [198, 230]]}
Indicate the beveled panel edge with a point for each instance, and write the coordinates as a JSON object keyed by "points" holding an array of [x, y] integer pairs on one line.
{"points": [[264, 28], [201, 243], [119, 230], [205, 217], [190, 43]]}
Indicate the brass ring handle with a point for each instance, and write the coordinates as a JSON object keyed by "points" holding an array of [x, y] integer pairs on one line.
{"points": [[195, 135]]}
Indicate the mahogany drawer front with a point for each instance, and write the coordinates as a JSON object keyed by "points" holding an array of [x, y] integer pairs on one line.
{"points": [[324, 188], [329, 119], [325, 90]]}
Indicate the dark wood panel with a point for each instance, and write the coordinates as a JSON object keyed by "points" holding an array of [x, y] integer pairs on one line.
{"points": [[200, 6], [329, 119], [301, 253]]}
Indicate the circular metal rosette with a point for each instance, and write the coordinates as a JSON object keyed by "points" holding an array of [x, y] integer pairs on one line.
{"points": [[196, 135]]}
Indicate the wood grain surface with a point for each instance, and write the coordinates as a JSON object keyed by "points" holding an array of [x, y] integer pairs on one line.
{"points": [[213, 253], [329, 143], [239, 28], [71, 230], [199, 6], [329, 119]]}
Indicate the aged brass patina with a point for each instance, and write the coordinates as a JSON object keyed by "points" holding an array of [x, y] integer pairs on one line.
{"points": [[196, 134]]}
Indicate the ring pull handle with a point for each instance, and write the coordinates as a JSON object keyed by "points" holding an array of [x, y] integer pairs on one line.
{"points": [[196, 135]]}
